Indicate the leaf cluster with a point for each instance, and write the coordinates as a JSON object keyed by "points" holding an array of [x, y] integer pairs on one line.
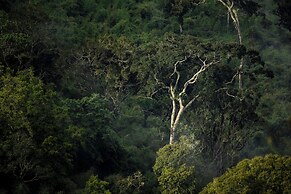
{"points": [[267, 174]]}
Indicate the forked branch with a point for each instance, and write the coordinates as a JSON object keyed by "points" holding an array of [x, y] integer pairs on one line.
{"points": [[179, 104]]}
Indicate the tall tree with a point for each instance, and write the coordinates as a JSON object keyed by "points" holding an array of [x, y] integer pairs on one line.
{"points": [[233, 13], [176, 68]]}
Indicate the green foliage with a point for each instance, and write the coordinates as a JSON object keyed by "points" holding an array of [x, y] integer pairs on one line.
{"points": [[97, 144], [14, 44], [34, 146], [110, 58], [283, 7], [130, 184], [274, 104], [136, 182], [180, 7], [225, 120], [268, 174], [176, 181], [156, 60], [25, 42], [105, 60], [142, 131], [96, 186], [174, 168], [113, 58], [24, 99]]}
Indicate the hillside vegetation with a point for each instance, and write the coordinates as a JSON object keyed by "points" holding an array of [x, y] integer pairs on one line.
{"points": [[145, 96]]}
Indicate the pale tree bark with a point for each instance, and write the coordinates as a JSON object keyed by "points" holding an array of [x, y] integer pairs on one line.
{"points": [[232, 13], [181, 29], [178, 95]]}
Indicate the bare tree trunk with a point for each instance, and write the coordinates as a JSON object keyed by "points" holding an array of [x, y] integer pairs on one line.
{"points": [[181, 29], [233, 14], [174, 125], [227, 21], [240, 69], [178, 104], [172, 136]]}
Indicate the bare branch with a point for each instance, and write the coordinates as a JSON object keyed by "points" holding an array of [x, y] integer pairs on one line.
{"points": [[191, 101], [194, 78], [158, 81], [233, 77], [203, 1], [228, 94], [175, 65], [177, 72], [176, 114], [233, 14]]}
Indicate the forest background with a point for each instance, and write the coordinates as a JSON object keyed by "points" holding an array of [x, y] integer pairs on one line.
{"points": [[90, 91]]}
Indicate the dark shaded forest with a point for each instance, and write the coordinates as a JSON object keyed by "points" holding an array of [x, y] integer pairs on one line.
{"points": [[145, 96]]}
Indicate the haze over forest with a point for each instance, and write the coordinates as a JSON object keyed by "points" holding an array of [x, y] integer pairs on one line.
{"points": [[145, 96]]}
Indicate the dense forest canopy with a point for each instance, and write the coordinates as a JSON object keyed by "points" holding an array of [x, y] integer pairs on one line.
{"points": [[145, 96]]}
